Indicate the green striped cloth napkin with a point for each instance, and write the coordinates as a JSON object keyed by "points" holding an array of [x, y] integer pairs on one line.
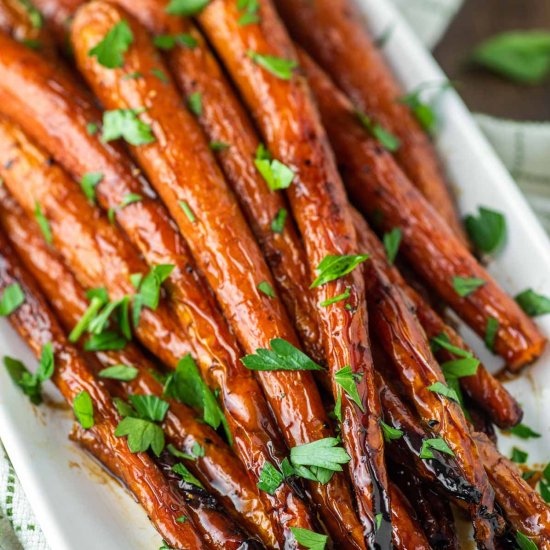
{"points": [[523, 147]]}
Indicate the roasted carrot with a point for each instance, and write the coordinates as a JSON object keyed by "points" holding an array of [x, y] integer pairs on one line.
{"points": [[522, 505], [407, 531], [103, 257], [282, 108], [334, 34], [217, 468], [383, 193], [25, 23], [37, 326], [218, 236], [483, 388], [432, 512]]}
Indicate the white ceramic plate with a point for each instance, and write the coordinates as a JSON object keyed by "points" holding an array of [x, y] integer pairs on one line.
{"points": [[77, 505]]}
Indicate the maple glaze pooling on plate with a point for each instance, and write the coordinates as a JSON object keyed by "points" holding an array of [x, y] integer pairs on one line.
{"points": [[222, 243], [376, 184], [217, 468], [486, 391], [334, 34], [37, 326]]}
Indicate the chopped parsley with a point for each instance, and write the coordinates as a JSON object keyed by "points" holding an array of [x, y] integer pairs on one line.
{"points": [[464, 286], [186, 7], [338, 298], [309, 539], [88, 183], [277, 66], [125, 124], [128, 199], [445, 391], [83, 409], [110, 51], [282, 356], [270, 478], [124, 373], [436, 443], [346, 379], [391, 241], [169, 41], [194, 102], [276, 174], [334, 267], [265, 288], [186, 475], [278, 223], [487, 230], [490, 332], [384, 137], [42, 223], [11, 298], [250, 9], [532, 303], [390, 433], [187, 211]]}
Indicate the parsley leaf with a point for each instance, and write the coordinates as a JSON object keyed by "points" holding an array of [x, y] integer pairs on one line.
{"points": [[309, 539], [149, 407], [277, 66], [128, 199], [149, 289], [31, 384], [142, 434], [522, 56], [250, 7], [88, 184], [84, 409], [270, 478], [423, 112], [392, 240], [92, 128], [186, 7], [436, 443], [218, 146], [186, 475], [282, 356], [160, 74], [442, 341], [487, 231], [390, 433], [177, 453], [491, 332], [464, 286], [125, 124], [197, 450], [187, 211], [524, 542], [334, 267], [347, 380], [276, 174], [124, 373], [35, 17], [12, 297], [444, 390], [532, 303], [110, 51], [42, 223], [524, 432], [518, 456], [324, 453], [169, 41], [106, 341], [186, 385], [267, 289], [459, 368], [194, 102], [344, 296], [278, 223], [98, 298], [386, 138]]}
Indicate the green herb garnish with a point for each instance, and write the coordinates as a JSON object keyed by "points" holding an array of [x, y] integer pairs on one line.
{"points": [[186, 7], [124, 373], [386, 138], [83, 409], [125, 124], [277, 66], [464, 286], [12, 297], [309, 539], [42, 223], [348, 381], [110, 51], [436, 443], [487, 230], [391, 241], [532, 303], [335, 267]]}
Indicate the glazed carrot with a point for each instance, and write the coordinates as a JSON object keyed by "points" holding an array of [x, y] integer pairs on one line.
{"points": [[402, 337], [103, 257], [229, 129], [522, 505], [382, 192], [37, 326], [334, 34], [217, 468], [22, 21], [433, 513], [218, 236], [407, 531], [282, 108]]}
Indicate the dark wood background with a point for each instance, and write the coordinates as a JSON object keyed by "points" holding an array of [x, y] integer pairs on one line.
{"points": [[482, 91]]}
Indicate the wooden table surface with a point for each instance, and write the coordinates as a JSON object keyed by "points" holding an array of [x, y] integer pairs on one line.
{"points": [[483, 91]]}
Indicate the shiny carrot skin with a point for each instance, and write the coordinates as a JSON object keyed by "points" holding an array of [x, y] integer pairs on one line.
{"points": [[218, 469], [523, 506], [286, 116], [103, 257], [402, 337], [37, 326], [25, 25], [219, 237], [334, 34], [382, 192], [483, 388], [224, 120], [433, 513], [407, 533]]}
